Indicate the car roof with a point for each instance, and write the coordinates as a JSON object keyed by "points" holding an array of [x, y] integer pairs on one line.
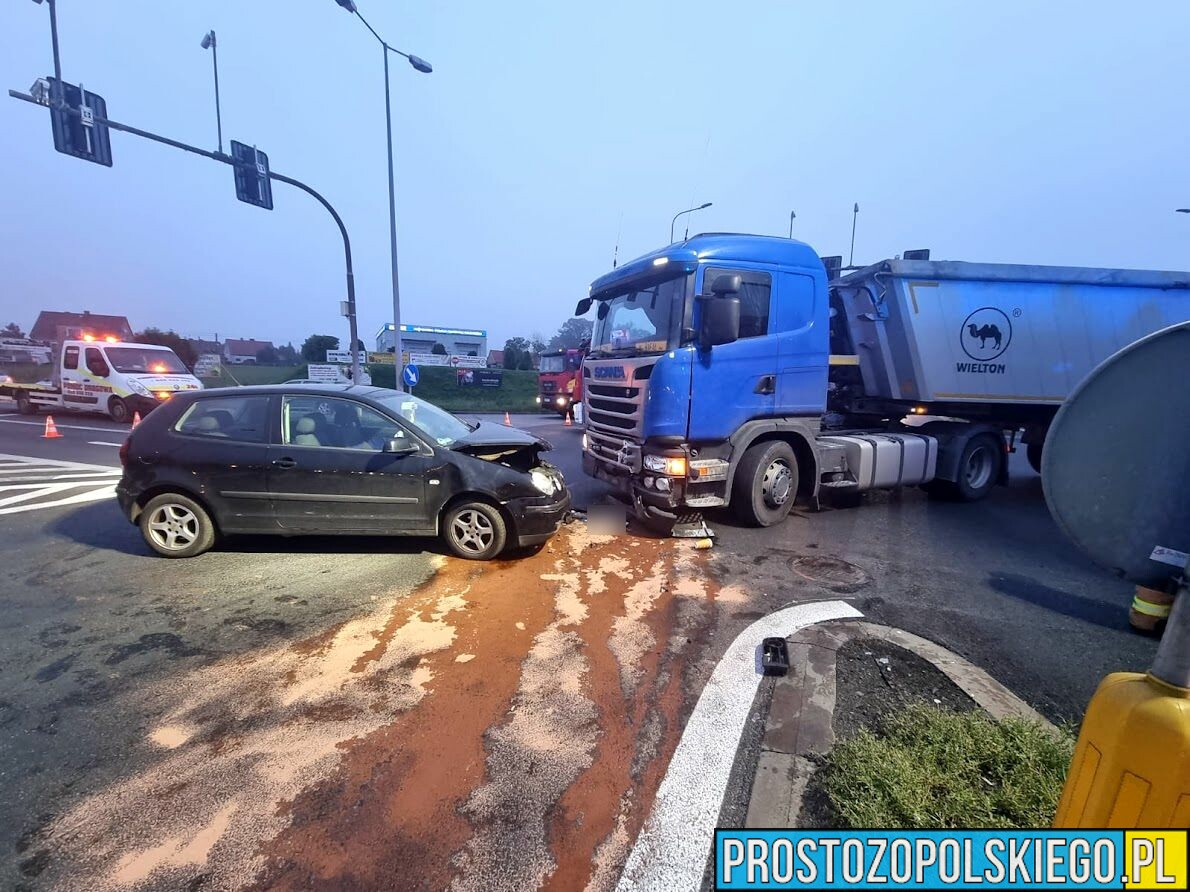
{"points": [[361, 390]]}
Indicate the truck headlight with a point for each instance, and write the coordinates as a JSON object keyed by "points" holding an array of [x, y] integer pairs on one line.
{"points": [[561, 401], [136, 387], [675, 466], [545, 482], [538, 398]]}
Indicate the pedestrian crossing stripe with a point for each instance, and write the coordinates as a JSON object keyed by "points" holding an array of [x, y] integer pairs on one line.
{"points": [[29, 484]]}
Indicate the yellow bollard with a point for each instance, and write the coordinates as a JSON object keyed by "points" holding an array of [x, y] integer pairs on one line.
{"points": [[1131, 766]]}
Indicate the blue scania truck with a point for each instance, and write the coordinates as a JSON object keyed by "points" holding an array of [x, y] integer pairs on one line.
{"points": [[732, 371]]}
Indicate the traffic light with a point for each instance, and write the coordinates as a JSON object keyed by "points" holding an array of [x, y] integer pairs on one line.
{"points": [[252, 175], [79, 133]]}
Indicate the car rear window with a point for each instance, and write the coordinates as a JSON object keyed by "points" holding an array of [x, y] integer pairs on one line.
{"points": [[244, 419]]}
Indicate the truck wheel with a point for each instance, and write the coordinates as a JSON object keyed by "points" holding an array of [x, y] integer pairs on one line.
{"points": [[765, 484], [25, 405], [979, 469], [118, 410], [176, 527], [1033, 453], [475, 531]]}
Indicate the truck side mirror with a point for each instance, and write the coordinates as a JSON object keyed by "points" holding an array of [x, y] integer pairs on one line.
{"points": [[720, 319], [730, 284], [583, 306]]}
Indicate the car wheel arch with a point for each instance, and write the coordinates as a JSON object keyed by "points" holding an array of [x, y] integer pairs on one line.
{"points": [[162, 489]]}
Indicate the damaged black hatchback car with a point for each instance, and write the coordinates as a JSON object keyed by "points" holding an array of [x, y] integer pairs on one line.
{"points": [[337, 459]]}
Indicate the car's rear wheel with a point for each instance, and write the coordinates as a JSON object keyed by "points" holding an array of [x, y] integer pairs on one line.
{"points": [[24, 404], [118, 410], [175, 526], [475, 531]]}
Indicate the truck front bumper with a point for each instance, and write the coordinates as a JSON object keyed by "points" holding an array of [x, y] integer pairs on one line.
{"points": [[662, 505]]}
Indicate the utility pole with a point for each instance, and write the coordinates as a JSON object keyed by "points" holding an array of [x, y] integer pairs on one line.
{"points": [[854, 217]]}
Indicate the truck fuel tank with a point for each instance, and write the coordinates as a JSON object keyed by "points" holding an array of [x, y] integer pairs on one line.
{"points": [[883, 461]]}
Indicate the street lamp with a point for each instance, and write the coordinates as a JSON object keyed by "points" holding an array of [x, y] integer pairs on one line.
{"points": [[208, 43], [792, 215], [679, 214], [418, 64]]}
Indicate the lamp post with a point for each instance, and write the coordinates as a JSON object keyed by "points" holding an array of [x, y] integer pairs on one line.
{"points": [[681, 213], [792, 215], [424, 67], [854, 217], [208, 43]]}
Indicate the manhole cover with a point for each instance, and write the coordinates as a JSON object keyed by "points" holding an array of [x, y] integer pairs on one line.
{"points": [[833, 572]]}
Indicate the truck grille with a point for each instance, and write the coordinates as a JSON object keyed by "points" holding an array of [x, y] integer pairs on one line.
{"points": [[613, 414], [548, 386]]}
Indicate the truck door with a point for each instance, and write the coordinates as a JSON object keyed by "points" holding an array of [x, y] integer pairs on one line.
{"points": [[802, 347], [734, 383], [84, 383]]}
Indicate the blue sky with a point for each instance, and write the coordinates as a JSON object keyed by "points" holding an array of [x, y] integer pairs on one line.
{"points": [[1014, 132]]}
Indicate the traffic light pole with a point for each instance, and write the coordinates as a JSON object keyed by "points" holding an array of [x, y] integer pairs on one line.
{"points": [[224, 159]]}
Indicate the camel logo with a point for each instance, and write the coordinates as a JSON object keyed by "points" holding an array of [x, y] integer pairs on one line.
{"points": [[986, 334]]}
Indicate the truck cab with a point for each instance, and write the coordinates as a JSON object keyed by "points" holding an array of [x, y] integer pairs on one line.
{"points": [[559, 380], [700, 350], [93, 374]]}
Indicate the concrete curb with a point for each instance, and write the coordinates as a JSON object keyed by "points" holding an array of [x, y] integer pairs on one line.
{"points": [[799, 724]]}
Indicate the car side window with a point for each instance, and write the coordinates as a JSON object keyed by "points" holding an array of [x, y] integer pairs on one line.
{"points": [[70, 359], [755, 296], [96, 364], [244, 419], [335, 424]]}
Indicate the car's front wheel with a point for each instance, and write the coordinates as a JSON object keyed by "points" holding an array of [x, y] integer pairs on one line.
{"points": [[176, 527], [475, 531], [118, 410]]}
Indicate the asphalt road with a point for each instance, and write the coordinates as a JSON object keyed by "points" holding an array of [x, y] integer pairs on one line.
{"points": [[325, 711]]}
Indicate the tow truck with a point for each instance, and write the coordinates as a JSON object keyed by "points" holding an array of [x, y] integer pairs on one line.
{"points": [[103, 374]]}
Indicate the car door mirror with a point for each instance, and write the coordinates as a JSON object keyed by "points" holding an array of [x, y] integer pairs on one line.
{"points": [[720, 320], [400, 446]]}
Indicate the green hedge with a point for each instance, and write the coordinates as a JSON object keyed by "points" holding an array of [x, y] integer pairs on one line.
{"points": [[438, 384]]}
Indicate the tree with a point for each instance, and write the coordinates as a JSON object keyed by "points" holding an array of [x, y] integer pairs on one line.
{"points": [[287, 354], [537, 342], [171, 339], [267, 355], [573, 333], [513, 349], [526, 361], [314, 348], [12, 330], [438, 349]]}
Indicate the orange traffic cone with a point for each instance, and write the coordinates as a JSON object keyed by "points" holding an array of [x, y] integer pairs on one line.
{"points": [[135, 419], [569, 420], [51, 429], [507, 420]]}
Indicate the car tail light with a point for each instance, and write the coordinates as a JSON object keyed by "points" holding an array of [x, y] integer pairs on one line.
{"points": [[124, 450]]}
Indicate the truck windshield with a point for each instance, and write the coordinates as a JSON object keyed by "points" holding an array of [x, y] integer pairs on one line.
{"points": [[553, 364], [145, 360], [639, 321]]}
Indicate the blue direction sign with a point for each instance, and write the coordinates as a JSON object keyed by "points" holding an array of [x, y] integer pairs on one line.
{"points": [[411, 376]]}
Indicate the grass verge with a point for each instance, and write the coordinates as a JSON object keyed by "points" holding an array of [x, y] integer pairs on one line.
{"points": [[932, 768]]}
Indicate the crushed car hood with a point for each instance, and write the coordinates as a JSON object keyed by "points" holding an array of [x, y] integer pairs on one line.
{"points": [[506, 445]]}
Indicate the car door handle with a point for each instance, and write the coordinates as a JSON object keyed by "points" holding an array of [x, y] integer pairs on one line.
{"points": [[766, 385], [285, 463]]}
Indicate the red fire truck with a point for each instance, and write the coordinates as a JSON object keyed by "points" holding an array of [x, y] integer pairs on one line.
{"points": [[560, 380]]}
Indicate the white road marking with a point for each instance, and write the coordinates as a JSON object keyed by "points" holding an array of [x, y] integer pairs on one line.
{"points": [[63, 426], [28, 482], [672, 849], [102, 443]]}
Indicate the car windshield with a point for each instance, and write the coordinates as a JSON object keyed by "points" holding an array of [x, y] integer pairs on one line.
{"points": [[638, 321], [145, 360], [555, 363], [437, 424]]}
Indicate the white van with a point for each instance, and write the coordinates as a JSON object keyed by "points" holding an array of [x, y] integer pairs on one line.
{"points": [[109, 376]]}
